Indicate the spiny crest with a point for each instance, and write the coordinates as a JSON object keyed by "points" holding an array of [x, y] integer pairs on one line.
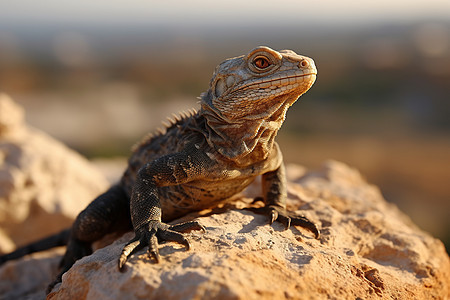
{"points": [[173, 121]]}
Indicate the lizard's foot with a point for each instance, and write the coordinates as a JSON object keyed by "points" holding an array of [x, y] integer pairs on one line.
{"points": [[281, 215], [157, 231]]}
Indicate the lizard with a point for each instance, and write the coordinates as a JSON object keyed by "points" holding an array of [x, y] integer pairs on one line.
{"points": [[198, 161]]}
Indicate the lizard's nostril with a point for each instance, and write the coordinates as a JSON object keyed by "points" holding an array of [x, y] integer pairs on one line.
{"points": [[303, 64]]}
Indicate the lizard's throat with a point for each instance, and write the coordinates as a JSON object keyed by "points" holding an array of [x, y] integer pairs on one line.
{"points": [[244, 141]]}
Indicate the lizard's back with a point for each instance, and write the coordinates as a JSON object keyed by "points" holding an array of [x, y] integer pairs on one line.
{"points": [[177, 200]]}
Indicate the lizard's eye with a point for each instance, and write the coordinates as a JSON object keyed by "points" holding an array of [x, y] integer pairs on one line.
{"points": [[261, 62]]}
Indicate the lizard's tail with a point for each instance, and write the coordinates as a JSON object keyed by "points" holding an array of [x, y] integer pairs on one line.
{"points": [[58, 239]]}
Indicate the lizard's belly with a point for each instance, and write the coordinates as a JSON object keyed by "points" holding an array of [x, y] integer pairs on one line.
{"points": [[179, 200]]}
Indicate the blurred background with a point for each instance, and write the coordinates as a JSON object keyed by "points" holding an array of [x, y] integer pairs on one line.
{"points": [[100, 74]]}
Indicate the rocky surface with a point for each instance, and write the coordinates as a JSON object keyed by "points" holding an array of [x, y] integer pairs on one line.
{"points": [[43, 184], [368, 250]]}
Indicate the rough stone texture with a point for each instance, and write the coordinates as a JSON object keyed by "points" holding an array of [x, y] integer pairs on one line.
{"points": [[368, 250], [43, 184], [27, 278]]}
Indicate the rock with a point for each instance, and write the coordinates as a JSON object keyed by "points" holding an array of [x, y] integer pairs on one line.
{"points": [[28, 278], [368, 250], [43, 184], [11, 116]]}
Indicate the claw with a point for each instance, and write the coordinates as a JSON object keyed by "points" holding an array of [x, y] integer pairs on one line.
{"points": [[288, 224], [273, 216], [153, 249], [187, 226], [170, 235], [305, 223], [129, 248], [187, 245], [317, 234]]}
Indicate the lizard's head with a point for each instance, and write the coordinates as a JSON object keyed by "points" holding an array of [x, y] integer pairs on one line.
{"points": [[256, 85]]}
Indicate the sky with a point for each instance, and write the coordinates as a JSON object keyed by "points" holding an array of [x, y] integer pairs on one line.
{"points": [[219, 13]]}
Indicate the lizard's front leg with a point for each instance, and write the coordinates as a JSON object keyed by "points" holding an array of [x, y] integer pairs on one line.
{"points": [[274, 188], [145, 205]]}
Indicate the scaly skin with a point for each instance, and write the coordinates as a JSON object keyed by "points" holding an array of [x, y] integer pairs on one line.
{"points": [[204, 158]]}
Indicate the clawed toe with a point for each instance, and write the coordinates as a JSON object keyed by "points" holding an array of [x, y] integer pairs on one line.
{"points": [[132, 246], [305, 223], [287, 219], [157, 231], [187, 226], [153, 251]]}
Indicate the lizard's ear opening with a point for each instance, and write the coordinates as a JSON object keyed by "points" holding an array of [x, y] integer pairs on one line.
{"points": [[220, 87], [222, 84]]}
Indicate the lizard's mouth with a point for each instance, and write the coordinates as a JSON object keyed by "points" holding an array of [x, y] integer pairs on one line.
{"points": [[263, 83]]}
